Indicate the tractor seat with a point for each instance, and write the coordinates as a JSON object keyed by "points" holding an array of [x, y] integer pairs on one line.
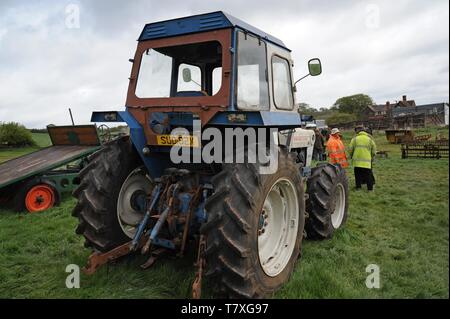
{"points": [[190, 93]]}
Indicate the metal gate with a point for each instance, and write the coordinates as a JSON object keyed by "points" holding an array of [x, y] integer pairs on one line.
{"points": [[435, 149]]}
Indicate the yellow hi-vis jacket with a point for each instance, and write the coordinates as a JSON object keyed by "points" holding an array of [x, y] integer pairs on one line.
{"points": [[362, 149]]}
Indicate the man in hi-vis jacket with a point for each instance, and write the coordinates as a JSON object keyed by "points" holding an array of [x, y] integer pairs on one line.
{"points": [[362, 149]]}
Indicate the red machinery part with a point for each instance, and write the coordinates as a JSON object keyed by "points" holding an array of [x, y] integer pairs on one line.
{"points": [[40, 198]]}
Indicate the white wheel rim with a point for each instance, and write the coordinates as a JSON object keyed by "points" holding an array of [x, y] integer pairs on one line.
{"points": [[339, 210], [136, 184], [278, 227]]}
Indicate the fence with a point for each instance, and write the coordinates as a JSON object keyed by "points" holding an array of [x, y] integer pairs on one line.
{"points": [[436, 149]]}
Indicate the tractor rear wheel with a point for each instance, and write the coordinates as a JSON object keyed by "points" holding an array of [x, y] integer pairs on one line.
{"points": [[327, 204], [255, 228], [100, 186]]}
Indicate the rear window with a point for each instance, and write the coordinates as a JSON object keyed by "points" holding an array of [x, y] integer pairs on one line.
{"points": [[187, 70], [252, 85]]}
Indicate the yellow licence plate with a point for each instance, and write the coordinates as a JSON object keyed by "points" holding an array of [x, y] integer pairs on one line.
{"points": [[179, 140]]}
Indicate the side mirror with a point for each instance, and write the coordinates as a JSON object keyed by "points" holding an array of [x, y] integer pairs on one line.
{"points": [[314, 67], [187, 77]]}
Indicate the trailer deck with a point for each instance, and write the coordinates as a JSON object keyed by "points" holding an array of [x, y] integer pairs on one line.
{"points": [[35, 181], [41, 161]]}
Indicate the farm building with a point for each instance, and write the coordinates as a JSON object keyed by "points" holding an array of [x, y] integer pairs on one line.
{"points": [[406, 114], [383, 111], [420, 116]]}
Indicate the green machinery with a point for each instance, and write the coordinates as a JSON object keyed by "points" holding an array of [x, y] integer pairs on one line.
{"points": [[35, 181]]}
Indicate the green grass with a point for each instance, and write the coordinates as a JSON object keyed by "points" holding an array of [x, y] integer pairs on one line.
{"points": [[41, 139], [402, 227]]}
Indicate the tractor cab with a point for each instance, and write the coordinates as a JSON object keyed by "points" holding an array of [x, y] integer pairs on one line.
{"points": [[211, 69], [209, 63]]}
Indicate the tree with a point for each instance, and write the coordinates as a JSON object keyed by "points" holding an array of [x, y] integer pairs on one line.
{"points": [[339, 118], [305, 108], [354, 104], [15, 134]]}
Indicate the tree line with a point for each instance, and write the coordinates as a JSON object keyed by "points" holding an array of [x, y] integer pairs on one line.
{"points": [[15, 134], [345, 109]]}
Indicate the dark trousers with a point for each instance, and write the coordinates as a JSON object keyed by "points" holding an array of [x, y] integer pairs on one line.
{"points": [[318, 154], [364, 176]]}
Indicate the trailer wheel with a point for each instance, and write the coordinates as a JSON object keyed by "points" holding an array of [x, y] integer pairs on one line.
{"points": [[36, 195], [327, 204], [255, 228], [100, 185]]}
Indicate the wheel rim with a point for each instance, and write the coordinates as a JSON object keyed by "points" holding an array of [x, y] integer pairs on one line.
{"points": [[132, 199], [39, 198], [278, 226], [338, 214]]}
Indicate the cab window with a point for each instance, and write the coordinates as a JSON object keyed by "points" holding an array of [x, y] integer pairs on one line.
{"points": [[154, 75], [252, 84], [180, 71], [282, 86], [196, 78]]}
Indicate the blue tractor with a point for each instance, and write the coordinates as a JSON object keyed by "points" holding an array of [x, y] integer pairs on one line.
{"points": [[216, 159]]}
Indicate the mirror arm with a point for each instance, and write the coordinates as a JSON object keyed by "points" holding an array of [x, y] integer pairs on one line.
{"points": [[301, 78], [196, 83]]}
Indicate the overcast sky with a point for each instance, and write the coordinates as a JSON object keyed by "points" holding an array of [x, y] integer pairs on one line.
{"points": [[382, 48]]}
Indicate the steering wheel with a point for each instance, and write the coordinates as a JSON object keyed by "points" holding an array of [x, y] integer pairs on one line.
{"points": [[104, 133]]}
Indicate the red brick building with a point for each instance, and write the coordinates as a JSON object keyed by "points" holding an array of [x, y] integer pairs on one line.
{"points": [[384, 111]]}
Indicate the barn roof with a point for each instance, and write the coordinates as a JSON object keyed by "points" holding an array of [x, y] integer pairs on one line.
{"points": [[419, 109]]}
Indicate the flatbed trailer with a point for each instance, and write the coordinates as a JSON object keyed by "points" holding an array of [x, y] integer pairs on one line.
{"points": [[35, 181]]}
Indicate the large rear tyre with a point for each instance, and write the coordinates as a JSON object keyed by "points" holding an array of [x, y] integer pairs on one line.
{"points": [[100, 185], [327, 204], [255, 228]]}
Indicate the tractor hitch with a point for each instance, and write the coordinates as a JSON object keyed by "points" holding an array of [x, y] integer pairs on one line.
{"points": [[97, 259], [154, 255]]}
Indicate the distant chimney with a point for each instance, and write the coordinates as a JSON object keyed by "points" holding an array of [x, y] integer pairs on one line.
{"points": [[388, 105], [404, 98]]}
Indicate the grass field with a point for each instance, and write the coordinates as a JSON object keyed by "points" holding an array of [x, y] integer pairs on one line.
{"points": [[402, 227], [41, 139]]}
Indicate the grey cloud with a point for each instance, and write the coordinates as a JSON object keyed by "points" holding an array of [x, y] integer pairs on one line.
{"points": [[46, 67]]}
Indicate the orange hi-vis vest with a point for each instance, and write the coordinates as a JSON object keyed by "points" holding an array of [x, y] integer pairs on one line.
{"points": [[336, 151]]}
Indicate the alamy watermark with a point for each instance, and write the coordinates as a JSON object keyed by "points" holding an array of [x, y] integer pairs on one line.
{"points": [[73, 279], [230, 145], [372, 16], [373, 279], [72, 12]]}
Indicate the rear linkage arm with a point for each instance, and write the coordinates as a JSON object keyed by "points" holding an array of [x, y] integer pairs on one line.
{"points": [[97, 259]]}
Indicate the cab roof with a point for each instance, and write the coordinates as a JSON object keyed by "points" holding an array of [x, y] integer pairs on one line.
{"points": [[200, 23]]}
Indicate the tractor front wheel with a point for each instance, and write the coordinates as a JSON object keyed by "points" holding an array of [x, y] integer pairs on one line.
{"points": [[327, 204]]}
